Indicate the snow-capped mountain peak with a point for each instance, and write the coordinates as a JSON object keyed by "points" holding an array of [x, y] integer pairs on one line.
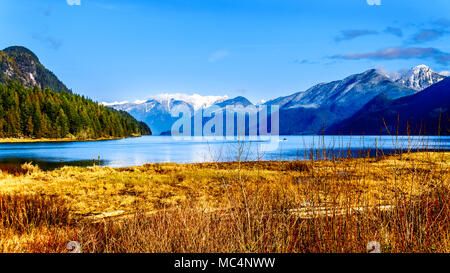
{"points": [[419, 77], [156, 110], [420, 67], [196, 101], [350, 93]]}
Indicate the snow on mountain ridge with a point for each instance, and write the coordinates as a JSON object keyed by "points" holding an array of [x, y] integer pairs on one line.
{"points": [[196, 101], [342, 98], [418, 77], [114, 103]]}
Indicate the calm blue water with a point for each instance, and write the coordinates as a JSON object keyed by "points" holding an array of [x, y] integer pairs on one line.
{"points": [[152, 149]]}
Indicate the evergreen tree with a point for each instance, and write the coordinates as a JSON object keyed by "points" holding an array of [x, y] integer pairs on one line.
{"points": [[29, 129], [62, 124]]}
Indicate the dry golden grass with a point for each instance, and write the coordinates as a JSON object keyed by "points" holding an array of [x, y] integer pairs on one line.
{"points": [[401, 201]]}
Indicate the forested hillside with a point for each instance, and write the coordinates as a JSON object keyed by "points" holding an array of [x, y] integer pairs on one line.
{"points": [[20, 64], [32, 112]]}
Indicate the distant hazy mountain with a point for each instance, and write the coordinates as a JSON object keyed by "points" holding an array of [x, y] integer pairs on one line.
{"points": [[327, 103], [156, 112], [426, 112], [418, 78], [20, 64]]}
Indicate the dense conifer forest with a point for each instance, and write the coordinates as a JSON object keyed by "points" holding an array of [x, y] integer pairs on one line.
{"points": [[36, 113]]}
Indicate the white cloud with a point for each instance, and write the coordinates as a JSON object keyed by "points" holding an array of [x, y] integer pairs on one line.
{"points": [[374, 2], [114, 103], [445, 73], [73, 2], [220, 54]]}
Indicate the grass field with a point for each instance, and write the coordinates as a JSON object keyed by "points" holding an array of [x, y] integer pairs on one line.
{"points": [[401, 201]]}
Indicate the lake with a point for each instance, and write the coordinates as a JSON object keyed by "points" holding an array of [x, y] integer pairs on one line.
{"points": [[159, 149]]}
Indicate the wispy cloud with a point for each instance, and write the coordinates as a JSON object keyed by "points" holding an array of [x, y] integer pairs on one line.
{"points": [[51, 41], [432, 32], [394, 31], [304, 61], [442, 23], [218, 55], [445, 73], [394, 53], [353, 33], [427, 35], [73, 2]]}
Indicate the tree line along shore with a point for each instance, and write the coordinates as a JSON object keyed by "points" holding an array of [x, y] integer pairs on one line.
{"points": [[31, 114]]}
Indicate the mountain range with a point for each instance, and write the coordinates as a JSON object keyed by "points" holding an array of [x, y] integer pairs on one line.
{"points": [[326, 103], [321, 107], [156, 111], [425, 113]]}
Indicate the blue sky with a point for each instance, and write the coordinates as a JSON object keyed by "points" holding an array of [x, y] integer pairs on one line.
{"points": [[127, 50]]}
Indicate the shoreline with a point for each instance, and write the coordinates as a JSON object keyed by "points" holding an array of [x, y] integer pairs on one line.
{"points": [[42, 140], [39, 140], [49, 165]]}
